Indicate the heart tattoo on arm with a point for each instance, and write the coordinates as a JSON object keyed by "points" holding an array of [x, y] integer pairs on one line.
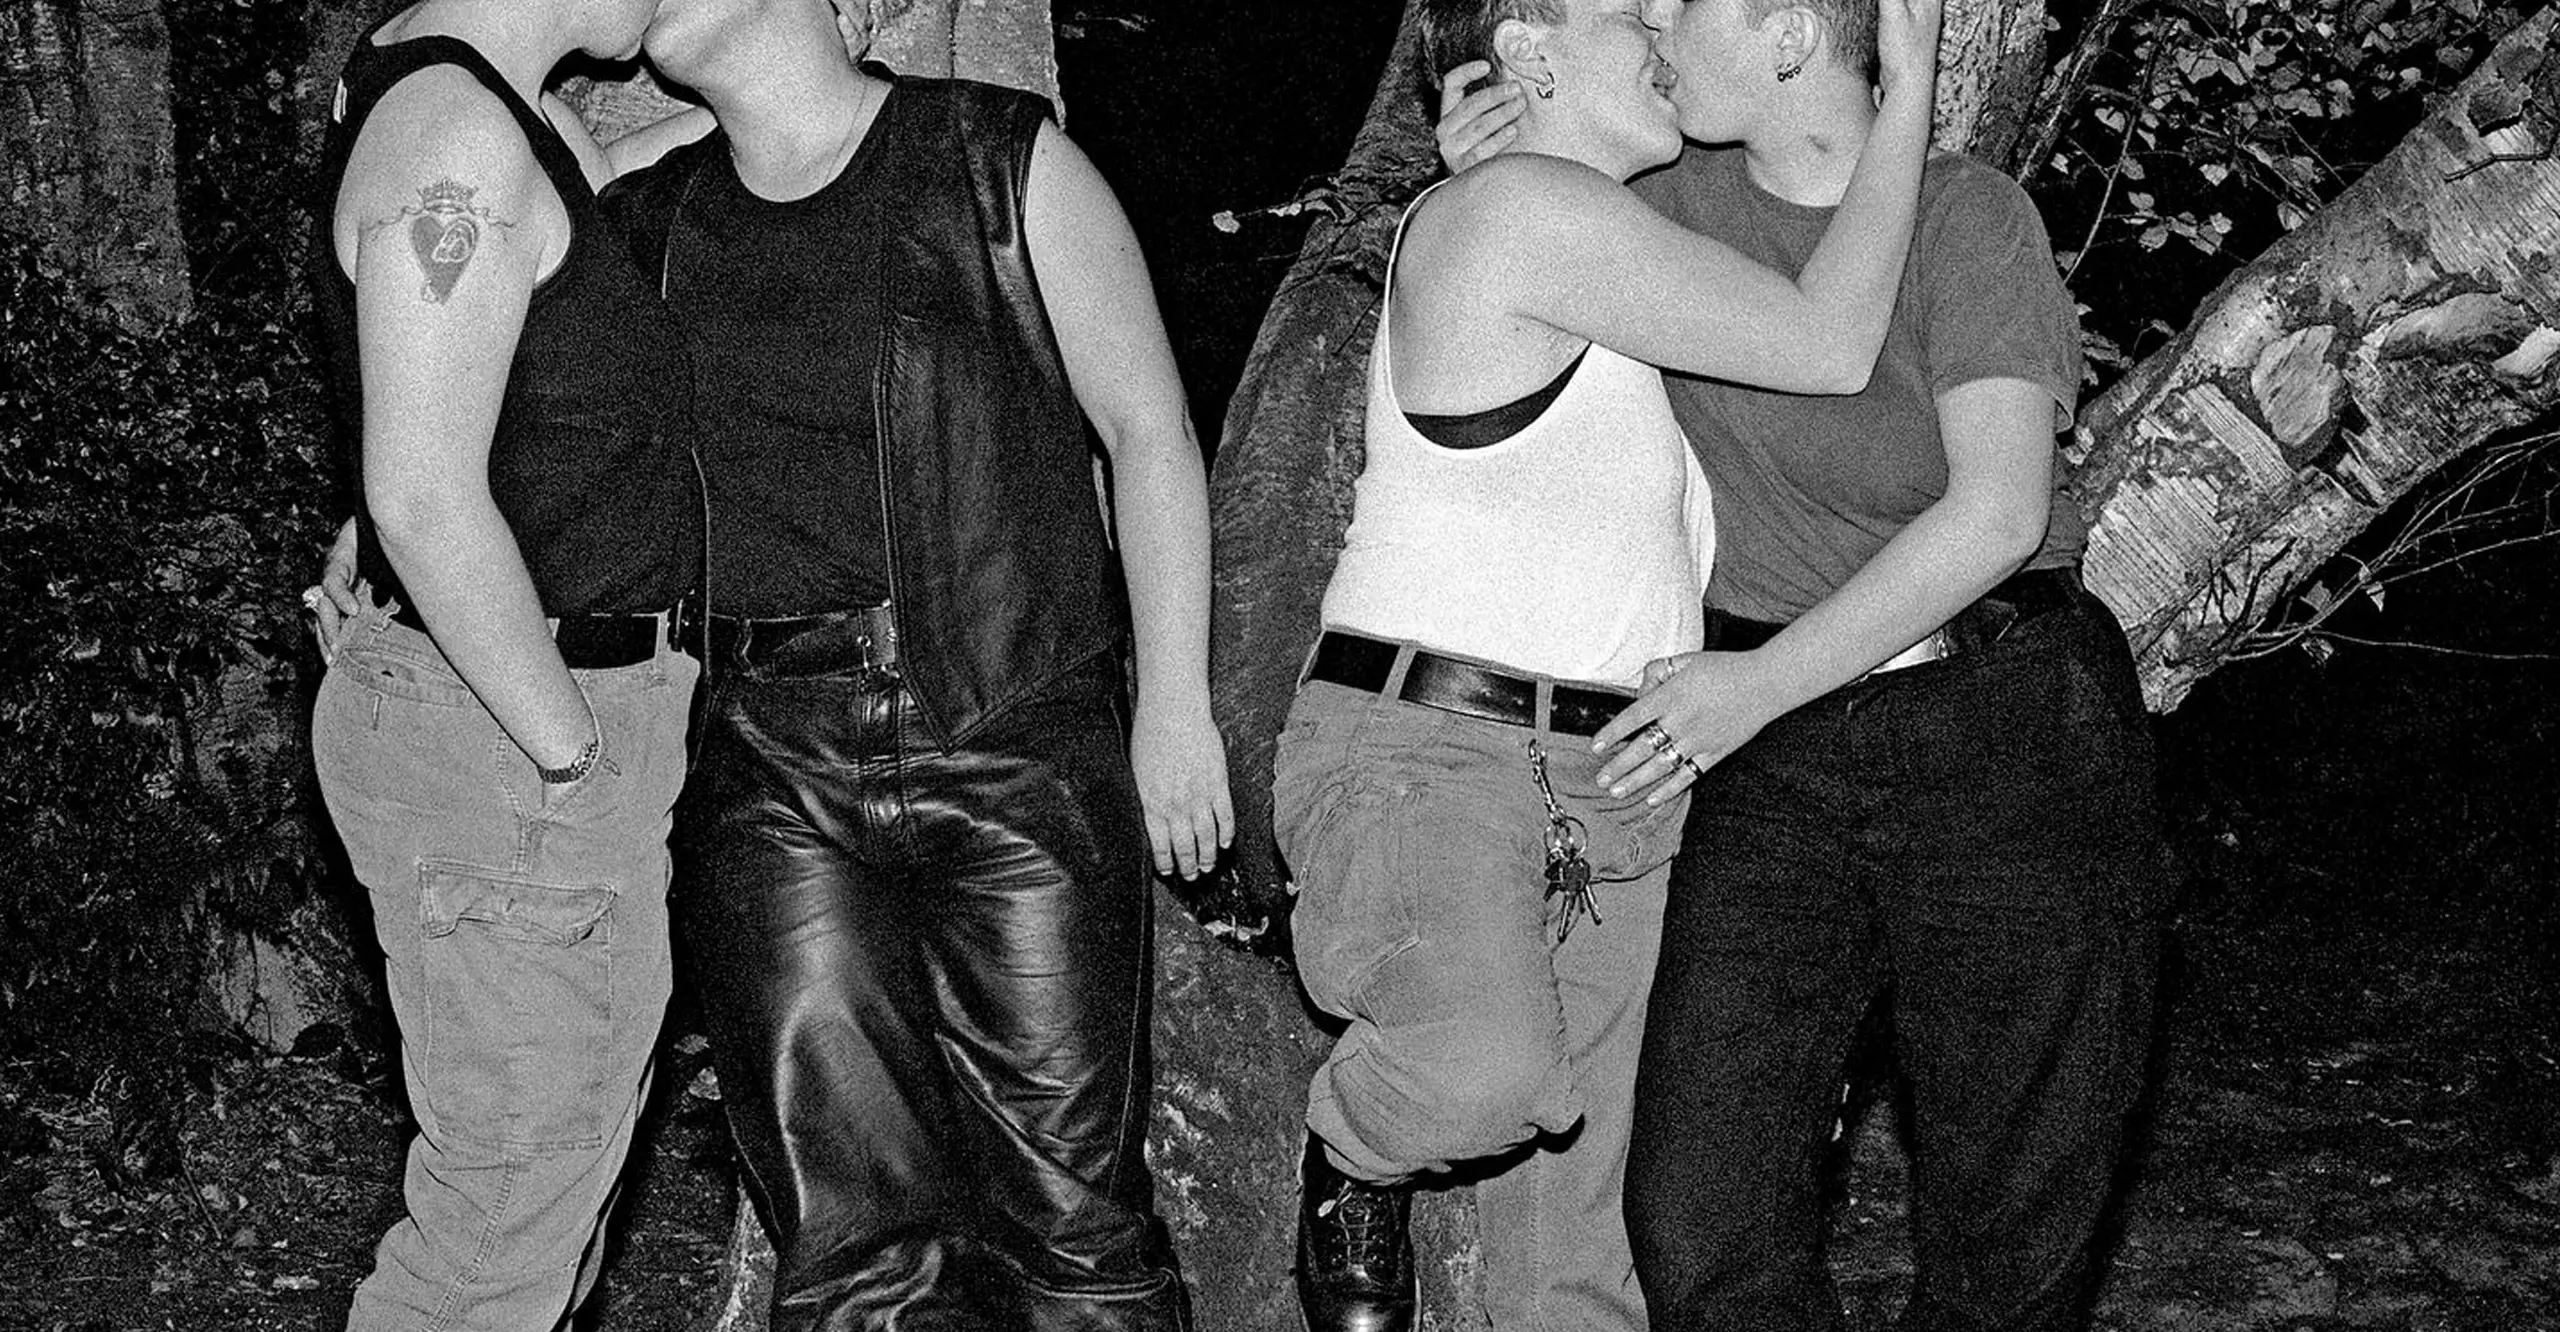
{"points": [[445, 230]]}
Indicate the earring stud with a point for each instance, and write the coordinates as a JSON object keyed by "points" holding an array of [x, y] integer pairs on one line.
{"points": [[1546, 90], [1790, 72]]}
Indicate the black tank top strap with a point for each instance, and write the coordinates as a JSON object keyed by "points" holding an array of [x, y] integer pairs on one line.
{"points": [[1477, 430], [373, 71], [587, 457]]}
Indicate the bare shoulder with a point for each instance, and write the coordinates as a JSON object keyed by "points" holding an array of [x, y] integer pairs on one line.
{"points": [[1517, 202], [1056, 162], [440, 128], [1069, 205]]}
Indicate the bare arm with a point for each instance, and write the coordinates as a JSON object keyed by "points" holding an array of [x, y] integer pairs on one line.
{"points": [[446, 223], [1999, 442], [656, 139], [1094, 282], [1561, 243]]}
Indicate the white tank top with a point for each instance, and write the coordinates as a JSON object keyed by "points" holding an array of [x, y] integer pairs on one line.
{"points": [[1577, 548]]}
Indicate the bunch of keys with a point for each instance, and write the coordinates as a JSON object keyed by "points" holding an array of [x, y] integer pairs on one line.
{"points": [[1568, 874]]}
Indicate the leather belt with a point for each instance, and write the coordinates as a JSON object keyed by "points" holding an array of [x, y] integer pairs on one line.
{"points": [[587, 642], [1454, 684], [2019, 598], [821, 644]]}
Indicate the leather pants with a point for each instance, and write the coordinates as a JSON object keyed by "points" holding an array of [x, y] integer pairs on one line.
{"points": [[927, 976]]}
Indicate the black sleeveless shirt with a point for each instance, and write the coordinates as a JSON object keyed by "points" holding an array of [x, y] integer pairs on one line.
{"points": [[782, 304], [589, 463]]}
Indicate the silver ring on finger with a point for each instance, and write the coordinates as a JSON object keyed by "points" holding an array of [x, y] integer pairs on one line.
{"points": [[1659, 738]]}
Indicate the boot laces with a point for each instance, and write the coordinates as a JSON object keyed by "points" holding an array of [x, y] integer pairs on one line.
{"points": [[1367, 1219]]}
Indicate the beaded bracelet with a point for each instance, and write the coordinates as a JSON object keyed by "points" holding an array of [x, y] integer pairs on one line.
{"points": [[577, 768]]}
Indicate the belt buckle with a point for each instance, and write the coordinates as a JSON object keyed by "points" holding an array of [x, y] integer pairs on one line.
{"points": [[880, 639], [1936, 646]]}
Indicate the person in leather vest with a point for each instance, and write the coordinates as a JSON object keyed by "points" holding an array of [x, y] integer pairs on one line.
{"points": [[914, 854]]}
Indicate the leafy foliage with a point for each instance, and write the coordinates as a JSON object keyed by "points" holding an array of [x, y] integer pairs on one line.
{"points": [[169, 485], [171, 492], [2214, 126]]}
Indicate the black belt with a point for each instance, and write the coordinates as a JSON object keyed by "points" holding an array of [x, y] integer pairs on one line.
{"points": [[1452, 684], [587, 642], [2019, 598], [821, 644]]}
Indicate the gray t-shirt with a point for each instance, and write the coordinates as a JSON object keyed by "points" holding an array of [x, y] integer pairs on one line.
{"points": [[1809, 488]]}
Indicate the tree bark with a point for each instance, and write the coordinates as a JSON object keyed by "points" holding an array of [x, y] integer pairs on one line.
{"points": [[330, 29], [2408, 321], [1991, 62], [88, 147]]}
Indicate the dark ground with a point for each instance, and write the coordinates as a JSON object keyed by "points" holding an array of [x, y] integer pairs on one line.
{"points": [[2358, 1119]]}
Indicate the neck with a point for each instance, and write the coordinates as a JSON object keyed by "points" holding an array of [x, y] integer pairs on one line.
{"points": [[1812, 139], [1554, 136], [524, 42], [794, 109]]}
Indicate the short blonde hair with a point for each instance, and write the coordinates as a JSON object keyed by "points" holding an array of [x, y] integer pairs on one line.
{"points": [[1457, 31]]}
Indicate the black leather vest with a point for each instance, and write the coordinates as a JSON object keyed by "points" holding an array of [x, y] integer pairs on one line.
{"points": [[999, 568]]}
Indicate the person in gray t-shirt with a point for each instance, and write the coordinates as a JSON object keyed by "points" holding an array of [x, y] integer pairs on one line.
{"points": [[1926, 767]]}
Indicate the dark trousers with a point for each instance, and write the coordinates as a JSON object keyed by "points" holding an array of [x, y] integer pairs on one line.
{"points": [[927, 975], [1976, 838]]}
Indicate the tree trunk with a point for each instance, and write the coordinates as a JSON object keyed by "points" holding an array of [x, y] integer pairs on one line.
{"points": [[2407, 322], [88, 147], [330, 29]]}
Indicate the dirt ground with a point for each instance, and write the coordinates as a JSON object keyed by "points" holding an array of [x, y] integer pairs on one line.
{"points": [[2356, 1130], [2357, 1124]]}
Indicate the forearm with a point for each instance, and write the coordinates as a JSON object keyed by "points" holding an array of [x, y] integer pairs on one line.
{"points": [[459, 564], [656, 139], [1956, 550], [1160, 506], [1854, 275]]}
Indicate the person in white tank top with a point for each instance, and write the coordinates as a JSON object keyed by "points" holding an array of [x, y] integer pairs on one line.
{"points": [[1471, 902]]}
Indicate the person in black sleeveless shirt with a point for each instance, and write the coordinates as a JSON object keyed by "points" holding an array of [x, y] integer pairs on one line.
{"points": [[501, 734], [914, 851]]}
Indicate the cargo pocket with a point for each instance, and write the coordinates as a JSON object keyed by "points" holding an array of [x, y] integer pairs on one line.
{"points": [[519, 1006], [1354, 909]]}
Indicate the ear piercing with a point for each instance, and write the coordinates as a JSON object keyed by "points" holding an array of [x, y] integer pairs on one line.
{"points": [[1547, 90], [1790, 71]]}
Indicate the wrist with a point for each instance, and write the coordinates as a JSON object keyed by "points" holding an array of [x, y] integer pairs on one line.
{"points": [[1781, 681], [575, 769], [1173, 702], [579, 764]]}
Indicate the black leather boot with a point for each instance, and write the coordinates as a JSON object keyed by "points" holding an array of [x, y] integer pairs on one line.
{"points": [[1355, 1253]]}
